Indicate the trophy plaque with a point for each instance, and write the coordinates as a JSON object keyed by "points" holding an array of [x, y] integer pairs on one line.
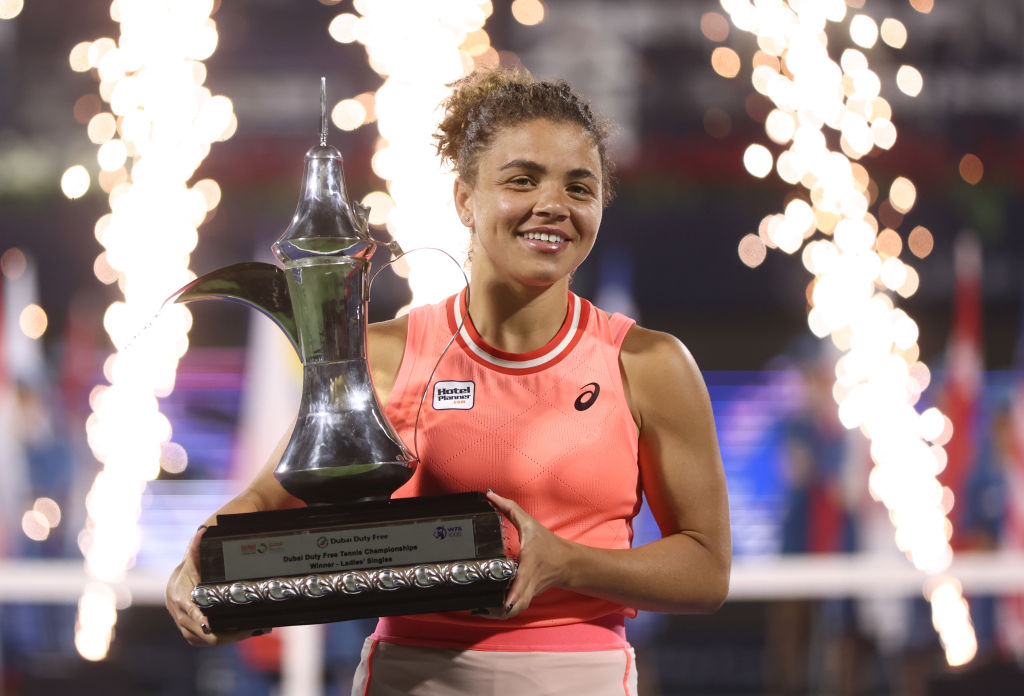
{"points": [[335, 562], [353, 552]]}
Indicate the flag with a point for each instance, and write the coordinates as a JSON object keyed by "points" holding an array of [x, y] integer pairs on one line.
{"points": [[959, 400], [1010, 608]]}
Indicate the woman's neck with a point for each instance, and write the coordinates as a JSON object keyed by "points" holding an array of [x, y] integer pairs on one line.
{"points": [[517, 319]]}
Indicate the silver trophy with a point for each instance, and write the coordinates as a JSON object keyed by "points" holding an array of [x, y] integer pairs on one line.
{"points": [[353, 552]]}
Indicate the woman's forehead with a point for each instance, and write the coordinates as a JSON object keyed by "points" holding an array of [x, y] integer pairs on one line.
{"points": [[543, 141]]}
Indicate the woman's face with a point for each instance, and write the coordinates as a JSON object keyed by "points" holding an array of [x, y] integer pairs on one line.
{"points": [[536, 204]]}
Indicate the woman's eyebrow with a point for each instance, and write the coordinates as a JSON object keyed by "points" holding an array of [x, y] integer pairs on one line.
{"points": [[581, 173], [530, 165], [524, 164]]}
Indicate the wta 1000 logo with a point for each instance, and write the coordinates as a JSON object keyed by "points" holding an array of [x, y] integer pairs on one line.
{"points": [[443, 532]]}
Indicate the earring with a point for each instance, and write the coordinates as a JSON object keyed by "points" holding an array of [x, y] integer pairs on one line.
{"points": [[465, 218]]}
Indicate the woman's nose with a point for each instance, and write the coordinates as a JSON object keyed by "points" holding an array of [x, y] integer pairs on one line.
{"points": [[550, 203]]}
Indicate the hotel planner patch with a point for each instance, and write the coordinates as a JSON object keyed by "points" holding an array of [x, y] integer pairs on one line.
{"points": [[457, 395]]}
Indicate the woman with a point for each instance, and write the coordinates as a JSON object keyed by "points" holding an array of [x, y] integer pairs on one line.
{"points": [[574, 415]]}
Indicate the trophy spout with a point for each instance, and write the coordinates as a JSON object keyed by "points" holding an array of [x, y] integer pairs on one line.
{"points": [[261, 286]]}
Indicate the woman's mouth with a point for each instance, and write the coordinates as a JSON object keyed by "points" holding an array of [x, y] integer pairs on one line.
{"points": [[544, 241], [543, 237]]}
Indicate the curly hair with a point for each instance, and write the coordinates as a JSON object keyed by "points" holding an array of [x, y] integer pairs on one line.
{"points": [[484, 102]]}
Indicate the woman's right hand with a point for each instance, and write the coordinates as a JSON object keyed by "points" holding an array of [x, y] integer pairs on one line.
{"points": [[263, 493], [194, 626]]}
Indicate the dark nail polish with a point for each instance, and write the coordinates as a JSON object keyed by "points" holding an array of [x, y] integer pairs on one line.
{"points": [[258, 632], [508, 609], [206, 629]]}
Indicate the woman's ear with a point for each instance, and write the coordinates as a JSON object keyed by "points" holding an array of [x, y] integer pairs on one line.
{"points": [[463, 195]]}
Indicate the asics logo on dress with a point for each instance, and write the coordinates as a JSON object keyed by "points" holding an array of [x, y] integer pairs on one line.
{"points": [[588, 397]]}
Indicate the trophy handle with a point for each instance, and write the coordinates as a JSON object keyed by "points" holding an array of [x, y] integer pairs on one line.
{"points": [[262, 286]]}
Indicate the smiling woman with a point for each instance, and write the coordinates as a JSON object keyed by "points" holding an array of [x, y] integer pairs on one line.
{"points": [[535, 208], [565, 414]]}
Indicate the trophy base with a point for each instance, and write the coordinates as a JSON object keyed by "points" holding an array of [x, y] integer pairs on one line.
{"points": [[358, 560]]}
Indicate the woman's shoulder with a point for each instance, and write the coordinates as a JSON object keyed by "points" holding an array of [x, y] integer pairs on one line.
{"points": [[390, 330], [658, 368], [642, 344]]}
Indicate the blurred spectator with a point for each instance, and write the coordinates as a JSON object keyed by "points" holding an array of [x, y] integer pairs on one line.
{"points": [[814, 646]]}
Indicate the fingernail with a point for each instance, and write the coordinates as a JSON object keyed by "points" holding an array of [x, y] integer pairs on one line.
{"points": [[206, 629], [258, 632], [508, 609]]}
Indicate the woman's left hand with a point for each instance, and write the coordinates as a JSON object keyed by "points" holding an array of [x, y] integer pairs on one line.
{"points": [[542, 557]]}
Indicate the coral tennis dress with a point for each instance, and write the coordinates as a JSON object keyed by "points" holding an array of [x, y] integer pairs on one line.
{"points": [[550, 429]]}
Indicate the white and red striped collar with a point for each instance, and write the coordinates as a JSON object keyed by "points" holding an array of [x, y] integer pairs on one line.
{"points": [[519, 363]]}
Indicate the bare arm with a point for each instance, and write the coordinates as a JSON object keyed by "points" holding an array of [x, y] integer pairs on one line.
{"points": [[264, 492], [687, 570]]}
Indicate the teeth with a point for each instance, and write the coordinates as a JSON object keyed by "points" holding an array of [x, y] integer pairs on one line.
{"points": [[543, 236]]}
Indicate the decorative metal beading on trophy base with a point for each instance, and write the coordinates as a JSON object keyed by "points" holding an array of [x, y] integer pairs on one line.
{"points": [[353, 553]]}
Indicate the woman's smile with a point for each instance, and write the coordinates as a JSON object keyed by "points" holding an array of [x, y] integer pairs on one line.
{"points": [[545, 239]]}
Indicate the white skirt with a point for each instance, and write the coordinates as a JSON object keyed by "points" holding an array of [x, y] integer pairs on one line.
{"points": [[390, 669]]}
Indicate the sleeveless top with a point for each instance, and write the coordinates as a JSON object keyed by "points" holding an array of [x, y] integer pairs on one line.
{"points": [[550, 429]]}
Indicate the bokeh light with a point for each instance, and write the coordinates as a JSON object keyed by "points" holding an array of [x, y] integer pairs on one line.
{"points": [[752, 251], [49, 509], [101, 128], [156, 128], [33, 321], [35, 526], [863, 31], [909, 80], [74, 183], [9, 9], [528, 12], [173, 458], [971, 168], [902, 195], [893, 32], [343, 28], [348, 114], [889, 243], [714, 26], [725, 61], [450, 41], [13, 263], [858, 275], [757, 160], [920, 242]]}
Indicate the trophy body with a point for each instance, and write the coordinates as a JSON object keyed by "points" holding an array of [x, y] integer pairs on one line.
{"points": [[353, 552], [343, 448]]}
